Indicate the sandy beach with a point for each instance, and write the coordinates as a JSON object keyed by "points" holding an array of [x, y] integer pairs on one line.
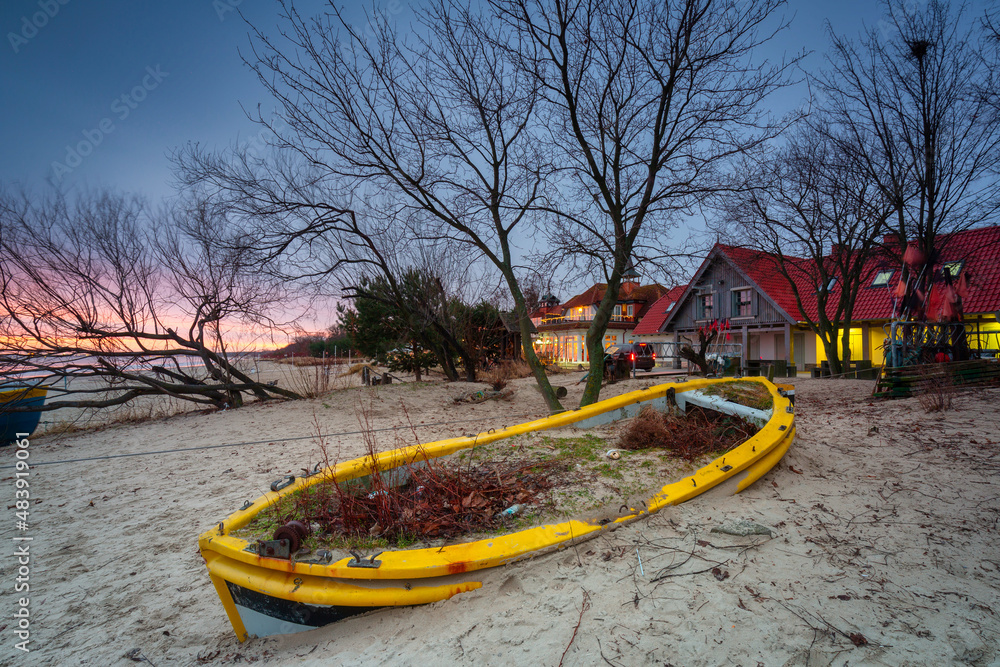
{"points": [[883, 550]]}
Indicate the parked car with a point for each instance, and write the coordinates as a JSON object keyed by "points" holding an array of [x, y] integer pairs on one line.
{"points": [[633, 355]]}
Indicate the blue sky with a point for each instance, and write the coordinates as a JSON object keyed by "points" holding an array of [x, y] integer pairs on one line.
{"points": [[127, 82]]}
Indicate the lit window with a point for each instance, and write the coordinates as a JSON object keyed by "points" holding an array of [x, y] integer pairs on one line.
{"points": [[882, 278], [952, 268]]}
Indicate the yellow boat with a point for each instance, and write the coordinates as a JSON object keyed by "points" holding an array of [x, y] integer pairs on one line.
{"points": [[28, 402], [265, 591]]}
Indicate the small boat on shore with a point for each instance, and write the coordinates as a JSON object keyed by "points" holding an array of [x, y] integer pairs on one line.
{"points": [[20, 412], [267, 588]]}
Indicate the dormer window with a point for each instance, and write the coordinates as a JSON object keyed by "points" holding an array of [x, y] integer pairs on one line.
{"points": [[952, 269], [882, 278]]}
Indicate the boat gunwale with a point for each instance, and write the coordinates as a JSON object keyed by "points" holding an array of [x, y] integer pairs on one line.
{"points": [[9, 394], [774, 436]]}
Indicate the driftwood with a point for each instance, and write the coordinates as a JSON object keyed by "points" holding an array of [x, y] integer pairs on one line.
{"points": [[484, 395]]}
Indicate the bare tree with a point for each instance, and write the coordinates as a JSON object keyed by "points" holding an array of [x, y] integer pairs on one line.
{"points": [[819, 218], [645, 102], [95, 290], [916, 102], [437, 119]]}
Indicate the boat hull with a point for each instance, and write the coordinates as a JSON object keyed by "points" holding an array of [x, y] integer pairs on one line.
{"points": [[19, 424], [264, 595]]}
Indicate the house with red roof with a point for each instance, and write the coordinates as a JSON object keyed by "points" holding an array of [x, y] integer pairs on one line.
{"points": [[743, 287], [648, 328], [562, 328]]}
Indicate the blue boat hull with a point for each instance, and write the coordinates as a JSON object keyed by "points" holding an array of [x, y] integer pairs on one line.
{"points": [[12, 423]]}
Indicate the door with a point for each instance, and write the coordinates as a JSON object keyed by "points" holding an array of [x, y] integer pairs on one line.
{"points": [[799, 350]]}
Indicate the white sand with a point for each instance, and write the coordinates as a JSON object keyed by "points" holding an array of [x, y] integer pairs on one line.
{"points": [[888, 534]]}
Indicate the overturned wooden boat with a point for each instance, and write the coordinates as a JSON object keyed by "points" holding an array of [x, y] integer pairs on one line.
{"points": [[20, 412], [266, 589]]}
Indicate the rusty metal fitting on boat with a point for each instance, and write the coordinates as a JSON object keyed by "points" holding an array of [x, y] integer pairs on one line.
{"points": [[293, 531]]}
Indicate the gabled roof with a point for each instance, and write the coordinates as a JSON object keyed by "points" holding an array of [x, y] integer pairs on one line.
{"points": [[510, 323], [591, 296], [656, 314], [977, 249], [748, 267], [647, 293], [760, 268]]}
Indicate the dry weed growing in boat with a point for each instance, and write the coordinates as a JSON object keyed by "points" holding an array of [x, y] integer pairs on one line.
{"points": [[423, 499], [750, 394], [698, 433]]}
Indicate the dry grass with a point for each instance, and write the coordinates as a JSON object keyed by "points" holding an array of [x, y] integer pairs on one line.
{"points": [[139, 411], [307, 361], [935, 391], [504, 372], [313, 381], [749, 394], [428, 499]]}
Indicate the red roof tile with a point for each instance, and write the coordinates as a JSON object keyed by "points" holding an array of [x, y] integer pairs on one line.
{"points": [[656, 314], [978, 249], [592, 295], [646, 293]]}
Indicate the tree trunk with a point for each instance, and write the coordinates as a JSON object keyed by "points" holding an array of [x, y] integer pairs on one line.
{"points": [[832, 353], [845, 348], [524, 325], [595, 345]]}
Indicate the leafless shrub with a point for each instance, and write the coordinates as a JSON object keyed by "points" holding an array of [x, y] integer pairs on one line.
{"points": [[935, 390], [504, 372], [313, 381]]}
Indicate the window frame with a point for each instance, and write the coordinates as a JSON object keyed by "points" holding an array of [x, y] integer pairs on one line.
{"points": [[706, 299], [738, 302], [959, 264], [888, 273]]}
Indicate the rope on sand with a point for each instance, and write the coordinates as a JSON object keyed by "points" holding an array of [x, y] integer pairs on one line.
{"points": [[258, 442]]}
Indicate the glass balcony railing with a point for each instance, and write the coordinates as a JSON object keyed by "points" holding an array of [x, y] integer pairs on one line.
{"points": [[562, 319]]}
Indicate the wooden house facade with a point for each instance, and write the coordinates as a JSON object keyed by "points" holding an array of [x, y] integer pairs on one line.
{"points": [[722, 290], [743, 288]]}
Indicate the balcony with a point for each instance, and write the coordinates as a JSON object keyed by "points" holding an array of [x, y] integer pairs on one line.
{"points": [[552, 320]]}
